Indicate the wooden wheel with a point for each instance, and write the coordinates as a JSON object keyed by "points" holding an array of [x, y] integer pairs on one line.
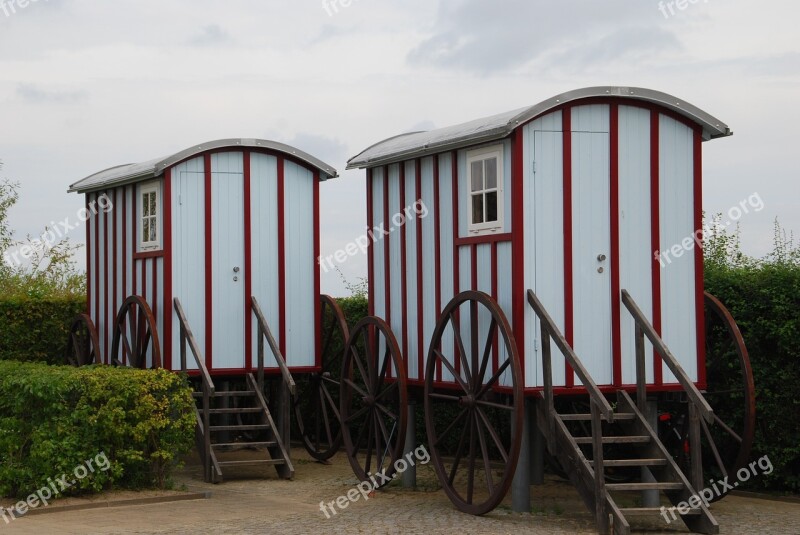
{"points": [[83, 347], [135, 333], [373, 401], [321, 425], [731, 393], [477, 425]]}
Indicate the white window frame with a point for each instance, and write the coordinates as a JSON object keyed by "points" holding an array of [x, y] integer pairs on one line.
{"points": [[149, 187], [485, 153]]}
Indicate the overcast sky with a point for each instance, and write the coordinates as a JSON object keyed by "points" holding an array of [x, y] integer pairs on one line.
{"points": [[88, 84]]}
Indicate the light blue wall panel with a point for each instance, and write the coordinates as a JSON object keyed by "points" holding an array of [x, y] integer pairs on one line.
{"points": [[264, 229], [677, 220], [188, 244], [300, 265], [634, 231]]}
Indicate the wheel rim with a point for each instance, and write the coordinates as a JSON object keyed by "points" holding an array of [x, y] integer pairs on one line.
{"points": [[373, 401], [321, 425], [728, 443], [135, 333], [480, 332], [83, 346]]}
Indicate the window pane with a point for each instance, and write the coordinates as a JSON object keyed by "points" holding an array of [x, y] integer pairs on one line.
{"points": [[477, 209], [153, 224], [146, 230], [491, 173], [491, 206], [153, 203], [145, 205], [477, 176]]}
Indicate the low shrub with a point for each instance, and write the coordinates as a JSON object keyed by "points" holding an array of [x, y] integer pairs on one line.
{"points": [[54, 418]]}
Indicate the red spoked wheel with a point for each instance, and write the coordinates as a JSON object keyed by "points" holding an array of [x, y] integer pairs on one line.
{"points": [[373, 401], [318, 416], [731, 392], [474, 422], [83, 346], [135, 335]]}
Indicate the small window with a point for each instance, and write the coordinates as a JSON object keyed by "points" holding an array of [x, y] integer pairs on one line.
{"points": [[485, 208], [150, 217]]}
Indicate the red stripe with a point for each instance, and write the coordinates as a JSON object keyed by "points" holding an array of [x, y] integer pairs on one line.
{"points": [[403, 264], [124, 243], [135, 244], [456, 221], [144, 278], [208, 266], [89, 250], [248, 263], [474, 266], [495, 294], [166, 345], [154, 275], [281, 255], [97, 316], [488, 238], [437, 240], [387, 240], [106, 298], [420, 282], [317, 282], [616, 333], [115, 241], [568, 290], [698, 259], [655, 218], [370, 248], [518, 303]]}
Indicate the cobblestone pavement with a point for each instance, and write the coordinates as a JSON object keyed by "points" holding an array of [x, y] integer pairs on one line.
{"points": [[255, 501]]}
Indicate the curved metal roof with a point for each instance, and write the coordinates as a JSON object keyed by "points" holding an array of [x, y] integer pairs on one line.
{"points": [[416, 144], [137, 172]]}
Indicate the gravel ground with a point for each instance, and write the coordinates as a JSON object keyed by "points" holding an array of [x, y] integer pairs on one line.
{"points": [[253, 501]]}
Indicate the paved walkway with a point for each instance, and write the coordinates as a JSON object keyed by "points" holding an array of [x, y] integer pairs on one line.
{"points": [[257, 502]]}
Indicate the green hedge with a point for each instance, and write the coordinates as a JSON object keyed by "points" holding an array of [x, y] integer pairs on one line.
{"points": [[54, 418], [764, 299], [35, 329]]}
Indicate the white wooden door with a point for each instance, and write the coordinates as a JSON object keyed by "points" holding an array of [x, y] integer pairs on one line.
{"points": [[227, 260]]}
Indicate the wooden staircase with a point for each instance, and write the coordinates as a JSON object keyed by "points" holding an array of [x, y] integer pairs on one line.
{"points": [[240, 419], [236, 419], [578, 442]]}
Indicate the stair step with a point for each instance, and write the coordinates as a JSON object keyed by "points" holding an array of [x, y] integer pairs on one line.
{"points": [[632, 462], [267, 444], [633, 439], [659, 485], [253, 427], [648, 511], [230, 394], [236, 410], [585, 417], [269, 462]]}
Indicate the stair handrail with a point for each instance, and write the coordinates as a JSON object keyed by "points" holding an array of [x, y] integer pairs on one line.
{"points": [[549, 330], [208, 388], [265, 332], [645, 328]]}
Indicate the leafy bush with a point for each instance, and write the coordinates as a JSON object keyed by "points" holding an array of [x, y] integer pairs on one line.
{"points": [[53, 418], [35, 329], [764, 297]]}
